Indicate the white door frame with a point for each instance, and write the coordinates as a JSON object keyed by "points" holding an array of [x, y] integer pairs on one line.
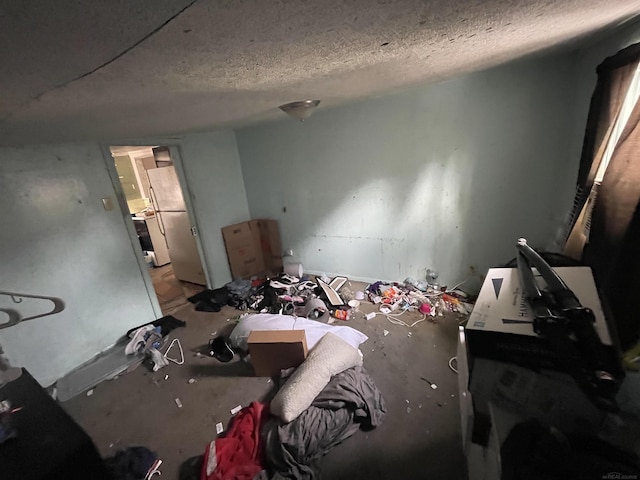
{"points": [[175, 152]]}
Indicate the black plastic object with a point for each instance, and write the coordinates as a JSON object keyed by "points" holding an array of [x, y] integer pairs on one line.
{"points": [[569, 327], [220, 349], [535, 451], [166, 324], [49, 444]]}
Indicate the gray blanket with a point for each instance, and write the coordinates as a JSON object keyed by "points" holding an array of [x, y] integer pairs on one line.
{"points": [[351, 400]]}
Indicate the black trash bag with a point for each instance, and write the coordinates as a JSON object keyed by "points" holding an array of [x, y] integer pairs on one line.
{"points": [[132, 463]]}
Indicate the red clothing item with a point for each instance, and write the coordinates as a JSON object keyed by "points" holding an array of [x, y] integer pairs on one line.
{"points": [[238, 455]]}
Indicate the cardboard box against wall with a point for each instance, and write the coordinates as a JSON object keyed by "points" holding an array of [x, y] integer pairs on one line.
{"points": [[237, 236], [275, 350], [245, 262], [243, 252], [253, 248], [501, 324], [270, 244]]}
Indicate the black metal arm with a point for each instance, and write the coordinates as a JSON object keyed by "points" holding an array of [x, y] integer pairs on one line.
{"points": [[569, 327]]}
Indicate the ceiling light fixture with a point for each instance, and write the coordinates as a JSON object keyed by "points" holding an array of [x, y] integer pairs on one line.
{"points": [[300, 110]]}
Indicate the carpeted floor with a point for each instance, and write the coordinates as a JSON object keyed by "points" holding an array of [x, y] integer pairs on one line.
{"points": [[419, 438]]}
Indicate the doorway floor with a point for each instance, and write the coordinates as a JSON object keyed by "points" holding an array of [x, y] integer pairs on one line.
{"points": [[172, 293]]}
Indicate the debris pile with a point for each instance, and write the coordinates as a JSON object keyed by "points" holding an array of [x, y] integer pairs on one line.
{"points": [[397, 298], [327, 299]]}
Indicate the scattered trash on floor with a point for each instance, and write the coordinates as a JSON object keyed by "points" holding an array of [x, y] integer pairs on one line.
{"points": [[178, 402], [235, 410], [341, 314], [431, 384], [90, 392], [370, 316], [191, 381], [154, 469], [385, 332], [453, 360], [395, 299], [219, 428], [166, 377]]}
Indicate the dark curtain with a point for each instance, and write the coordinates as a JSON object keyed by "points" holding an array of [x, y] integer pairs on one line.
{"points": [[613, 248], [614, 76]]}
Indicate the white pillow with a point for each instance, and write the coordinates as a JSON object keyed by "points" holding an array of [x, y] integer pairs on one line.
{"points": [[329, 357], [314, 330]]}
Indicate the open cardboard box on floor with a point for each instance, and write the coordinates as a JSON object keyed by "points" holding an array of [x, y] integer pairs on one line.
{"points": [[275, 350], [253, 248]]}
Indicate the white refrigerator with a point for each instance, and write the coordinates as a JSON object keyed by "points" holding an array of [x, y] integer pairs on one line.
{"points": [[174, 224]]}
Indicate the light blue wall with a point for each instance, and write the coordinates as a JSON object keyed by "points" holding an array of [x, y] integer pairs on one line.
{"points": [[57, 240], [445, 176], [215, 182]]}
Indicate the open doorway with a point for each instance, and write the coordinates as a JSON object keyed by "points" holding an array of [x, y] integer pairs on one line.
{"points": [[156, 205]]}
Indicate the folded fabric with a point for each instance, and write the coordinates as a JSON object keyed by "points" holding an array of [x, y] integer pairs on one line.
{"points": [[350, 401], [314, 330], [330, 356], [158, 360], [239, 454]]}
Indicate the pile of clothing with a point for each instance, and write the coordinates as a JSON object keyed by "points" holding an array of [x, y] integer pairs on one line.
{"points": [[146, 340], [285, 295], [260, 446], [318, 404]]}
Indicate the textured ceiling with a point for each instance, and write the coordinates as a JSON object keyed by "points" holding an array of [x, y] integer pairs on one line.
{"points": [[110, 69]]}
